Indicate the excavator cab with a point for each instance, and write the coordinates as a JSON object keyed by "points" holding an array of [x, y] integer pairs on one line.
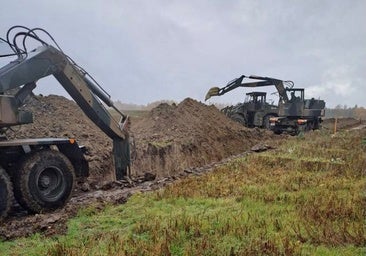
{"points": [[295, 94], [255, 100]]}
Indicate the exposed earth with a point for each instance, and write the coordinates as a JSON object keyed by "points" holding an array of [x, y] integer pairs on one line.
{"points": [[170, 142]]}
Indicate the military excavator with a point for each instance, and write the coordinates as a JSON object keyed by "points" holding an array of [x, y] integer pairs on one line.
{"points": [[40, 172], [294, 114]]}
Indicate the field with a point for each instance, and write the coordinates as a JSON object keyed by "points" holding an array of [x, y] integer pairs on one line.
{"points": [[306, 197]]}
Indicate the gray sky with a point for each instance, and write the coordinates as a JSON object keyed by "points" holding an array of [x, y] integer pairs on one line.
{"points": [[143, 51]]}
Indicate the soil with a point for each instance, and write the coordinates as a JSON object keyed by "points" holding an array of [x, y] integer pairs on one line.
{"points": [[190, 134], [165, 142], [169, 143]]}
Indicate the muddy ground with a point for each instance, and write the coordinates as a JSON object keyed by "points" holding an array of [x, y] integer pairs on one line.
{"points": [[169, 143]]}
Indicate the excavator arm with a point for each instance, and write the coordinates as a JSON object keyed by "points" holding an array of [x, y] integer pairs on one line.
{"points": [[46, 60], [238, 82]]}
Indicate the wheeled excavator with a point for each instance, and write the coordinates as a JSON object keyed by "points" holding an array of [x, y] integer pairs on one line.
{"points": [[294, 114], [40, 172]]}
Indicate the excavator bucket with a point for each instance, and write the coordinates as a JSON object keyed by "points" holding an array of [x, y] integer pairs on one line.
{"points": [[214, 91]]}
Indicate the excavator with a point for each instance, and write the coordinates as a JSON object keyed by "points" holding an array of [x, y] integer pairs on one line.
{"points": [[40, 173], [295, 113]]}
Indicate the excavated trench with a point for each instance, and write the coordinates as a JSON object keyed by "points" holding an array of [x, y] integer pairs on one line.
{"points": [[170, 142]]}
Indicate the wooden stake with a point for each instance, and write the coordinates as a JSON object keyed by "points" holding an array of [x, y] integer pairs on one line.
{"points": [[335, 125]]}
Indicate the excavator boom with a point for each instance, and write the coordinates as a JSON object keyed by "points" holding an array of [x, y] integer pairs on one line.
{"points": [[47, 60], [294, 114], [238, 82], [40, 172]]}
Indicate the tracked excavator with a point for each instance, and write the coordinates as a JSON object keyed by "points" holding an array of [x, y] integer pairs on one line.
{"points": [[294, 114], [40, 172]]}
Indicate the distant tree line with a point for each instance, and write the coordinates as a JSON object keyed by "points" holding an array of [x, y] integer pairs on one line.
{"points": [[340, 111], [343, 111], [131, 106]]}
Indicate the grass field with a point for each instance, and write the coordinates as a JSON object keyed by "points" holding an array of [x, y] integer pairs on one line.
{"points": [[305, 198]]}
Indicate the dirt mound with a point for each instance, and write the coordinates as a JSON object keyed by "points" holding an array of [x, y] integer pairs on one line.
{"points": [[168, 140], [174, 137], [56, 116]]}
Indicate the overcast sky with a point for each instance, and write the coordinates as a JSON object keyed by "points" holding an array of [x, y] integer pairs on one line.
{"points": [[143, 51]]}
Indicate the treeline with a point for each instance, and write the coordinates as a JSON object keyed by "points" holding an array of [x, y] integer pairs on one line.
{"points": [[343, 111], [340, 111], [131, 106]]}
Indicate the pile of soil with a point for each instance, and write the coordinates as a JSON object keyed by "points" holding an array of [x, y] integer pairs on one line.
{"points": [[168, 140], [190, 134], [58, 117]]}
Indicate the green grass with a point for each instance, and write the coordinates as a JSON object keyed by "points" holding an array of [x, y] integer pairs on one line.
{"points": [[293, 201]]}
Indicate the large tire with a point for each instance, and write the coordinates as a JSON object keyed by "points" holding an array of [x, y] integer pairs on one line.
{"points": [[6, 193], [44, 181]]}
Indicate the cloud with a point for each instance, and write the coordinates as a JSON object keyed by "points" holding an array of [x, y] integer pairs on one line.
{"points": [[335, 83], [142, 51]]}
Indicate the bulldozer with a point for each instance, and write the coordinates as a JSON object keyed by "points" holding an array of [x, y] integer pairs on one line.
{"points": [[40, 173], [294, 113]]}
